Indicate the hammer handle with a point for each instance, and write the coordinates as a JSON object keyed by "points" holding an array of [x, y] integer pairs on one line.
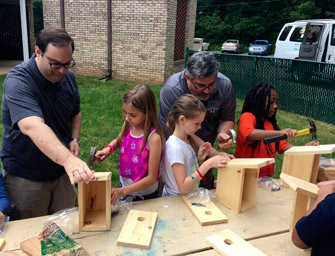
{"points": [[303, 132], [275, 139]]}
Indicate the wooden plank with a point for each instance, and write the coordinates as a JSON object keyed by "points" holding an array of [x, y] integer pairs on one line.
{"points": [[250, 162], [208, 215], [300, 185], [2, 243], [230, 244], [311, 150], [138, 229], [102, 176], [300, 205]]}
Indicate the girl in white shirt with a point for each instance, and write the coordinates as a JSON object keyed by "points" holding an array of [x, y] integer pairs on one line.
{"points": [[181, 170]]}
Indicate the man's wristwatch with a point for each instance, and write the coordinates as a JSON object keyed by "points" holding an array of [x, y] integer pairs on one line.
{"points": [[76, 140]]}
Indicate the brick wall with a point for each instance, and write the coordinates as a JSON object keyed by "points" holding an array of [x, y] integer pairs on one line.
{"points": [[142, 36]]}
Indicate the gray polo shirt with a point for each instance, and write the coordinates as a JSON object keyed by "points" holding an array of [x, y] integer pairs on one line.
{"points": [[28, 93], [220, 105]]}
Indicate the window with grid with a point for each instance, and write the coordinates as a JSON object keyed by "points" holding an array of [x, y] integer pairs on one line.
{"points": [[179, 44]]}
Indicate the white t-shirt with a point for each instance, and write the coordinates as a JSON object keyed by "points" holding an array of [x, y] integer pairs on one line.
{"points": [[177, 151]]}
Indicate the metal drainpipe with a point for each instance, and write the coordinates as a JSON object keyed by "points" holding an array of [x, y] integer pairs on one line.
{"points": [[62, 14], [109, 42]]}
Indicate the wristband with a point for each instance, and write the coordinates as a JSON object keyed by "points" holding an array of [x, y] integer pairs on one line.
{"points": [[111, 150], [196, 182], [201, 176]]}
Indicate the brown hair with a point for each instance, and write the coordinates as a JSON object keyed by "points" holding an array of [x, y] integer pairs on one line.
{"points": [[186, 105], [54, 36], [142, 98]]}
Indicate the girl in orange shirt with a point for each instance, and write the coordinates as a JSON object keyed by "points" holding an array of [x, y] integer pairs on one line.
{"points": [[258, 121]]}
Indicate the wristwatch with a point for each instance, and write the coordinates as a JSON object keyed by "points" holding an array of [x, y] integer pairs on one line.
{"points": [[76, 140]]}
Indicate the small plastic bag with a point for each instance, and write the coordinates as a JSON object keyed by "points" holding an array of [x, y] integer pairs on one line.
{"points": [[66, 219], [124, 205], [199, 196], [270, 183], [327, 162]]}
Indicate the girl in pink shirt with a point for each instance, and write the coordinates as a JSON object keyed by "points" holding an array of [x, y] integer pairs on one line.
{"points": [[141, 144]]}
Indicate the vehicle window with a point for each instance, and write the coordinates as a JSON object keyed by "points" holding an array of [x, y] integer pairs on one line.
{"points": [[231, 41], [298, 33], [313, 33], [332, 42], [285, 33]]}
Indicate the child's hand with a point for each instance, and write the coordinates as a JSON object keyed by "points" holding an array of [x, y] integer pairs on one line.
{"points": [[218, 161], [116, 194], [290, 133], [225, 142], [102, 154], [312, 143], [204, 151]]}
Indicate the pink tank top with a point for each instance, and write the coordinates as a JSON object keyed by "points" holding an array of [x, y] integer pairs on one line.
{"points": [[134, 164]]}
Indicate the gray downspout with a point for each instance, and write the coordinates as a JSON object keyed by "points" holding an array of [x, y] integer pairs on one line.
{"points": [[108, 76], [62, 14]]}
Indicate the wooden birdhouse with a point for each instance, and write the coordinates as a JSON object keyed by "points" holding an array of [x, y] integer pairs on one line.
{"points": [[237, 183], [95, 203]]}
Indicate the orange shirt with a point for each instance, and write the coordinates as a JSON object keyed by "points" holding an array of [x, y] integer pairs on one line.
{"points": [[246, 125]]}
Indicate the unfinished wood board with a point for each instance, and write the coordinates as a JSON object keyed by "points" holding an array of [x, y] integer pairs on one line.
{"points": [[300, 186], [2, 243], [311, 150], [250, 162], [32, 246], [300, 205], [230, 244], [208, 214], [138, 229], [94, 203]]}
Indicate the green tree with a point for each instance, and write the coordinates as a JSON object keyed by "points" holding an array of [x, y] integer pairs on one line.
{"points": [[38, 16]]}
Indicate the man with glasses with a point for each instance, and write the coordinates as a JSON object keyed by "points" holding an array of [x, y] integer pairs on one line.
{"points": [[42, 119], [203, 79]]}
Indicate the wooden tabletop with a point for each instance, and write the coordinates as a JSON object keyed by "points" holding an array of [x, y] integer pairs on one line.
{"points": [[177, 231]]}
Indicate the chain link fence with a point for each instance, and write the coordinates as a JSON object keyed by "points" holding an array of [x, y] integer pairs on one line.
{"points": [[304, 87]]}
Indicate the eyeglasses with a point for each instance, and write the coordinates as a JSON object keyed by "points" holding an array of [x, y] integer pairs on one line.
{"points": [[59, 65], [203, 87]]}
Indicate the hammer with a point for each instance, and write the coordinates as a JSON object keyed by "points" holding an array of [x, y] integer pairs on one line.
{"points": [[92, 157], [311, 129]]}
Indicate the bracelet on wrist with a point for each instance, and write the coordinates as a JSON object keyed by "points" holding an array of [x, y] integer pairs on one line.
{"points": [[111, 149], [196, 182], [76, 140], [200, 175]]}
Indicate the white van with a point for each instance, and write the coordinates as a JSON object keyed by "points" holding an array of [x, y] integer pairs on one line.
{"points": [[307, 39]]}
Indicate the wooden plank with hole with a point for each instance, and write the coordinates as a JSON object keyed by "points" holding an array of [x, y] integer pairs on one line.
{"points": [[94, 203], [228, 243], [208, 214], [237, 182], [138, 229]]}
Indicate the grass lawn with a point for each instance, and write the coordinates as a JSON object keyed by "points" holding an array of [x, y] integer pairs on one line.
{"points": [[102, 120]]}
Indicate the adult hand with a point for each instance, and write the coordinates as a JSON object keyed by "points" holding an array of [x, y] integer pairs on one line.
{"points": [[116, 194], [78, 170], [75, 148], [102, 154], [325, 188], [203, 151], [224, 141], [290, 133]]}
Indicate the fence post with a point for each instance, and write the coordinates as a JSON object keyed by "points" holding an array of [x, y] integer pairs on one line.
{"points": [[254, 70]]}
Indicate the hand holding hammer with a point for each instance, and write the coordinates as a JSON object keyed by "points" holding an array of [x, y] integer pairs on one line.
{"points": [[310, 130]]}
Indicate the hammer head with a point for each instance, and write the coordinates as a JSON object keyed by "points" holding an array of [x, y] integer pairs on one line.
{"points": [[312, 129]]}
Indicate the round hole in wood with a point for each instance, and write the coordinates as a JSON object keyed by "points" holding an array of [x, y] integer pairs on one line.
{"points": [[150, 227], [228, 241], [208, 212], [140, 219], [88, 222]]}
